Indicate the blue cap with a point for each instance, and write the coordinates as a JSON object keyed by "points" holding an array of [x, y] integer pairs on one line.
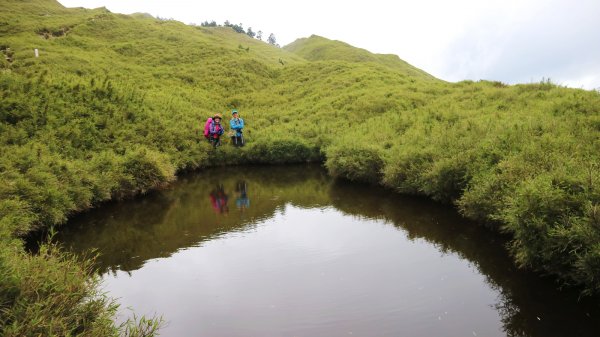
{"points": [[234, 111]]}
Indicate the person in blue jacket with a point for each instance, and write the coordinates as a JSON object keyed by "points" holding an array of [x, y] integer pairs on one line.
{"points": [[237, 125]]}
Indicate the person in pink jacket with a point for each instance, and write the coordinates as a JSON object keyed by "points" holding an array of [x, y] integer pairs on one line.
{"points": [[213, 130]]}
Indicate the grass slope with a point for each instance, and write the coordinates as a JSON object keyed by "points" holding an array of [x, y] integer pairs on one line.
{"points": [[114, 105], [317, 48]]}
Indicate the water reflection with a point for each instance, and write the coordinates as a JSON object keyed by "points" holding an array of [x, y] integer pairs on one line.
{"points": [[218, 200], [194, 213], [529, 305], [158, 224], [242, 202]]}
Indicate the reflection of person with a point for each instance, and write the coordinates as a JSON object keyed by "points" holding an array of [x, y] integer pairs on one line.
{"points": [[218, 199], [242, 202]]}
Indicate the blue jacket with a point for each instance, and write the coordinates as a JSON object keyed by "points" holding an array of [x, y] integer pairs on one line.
{"points": [[237, 125]]}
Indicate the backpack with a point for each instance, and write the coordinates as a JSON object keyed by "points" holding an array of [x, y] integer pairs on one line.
{"points": [[207, 127]]}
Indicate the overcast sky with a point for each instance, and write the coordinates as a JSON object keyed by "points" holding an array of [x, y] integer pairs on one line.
{"points": [[513, 41]]}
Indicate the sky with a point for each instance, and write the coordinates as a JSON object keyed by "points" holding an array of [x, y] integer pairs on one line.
{"points": [[512, 41]]}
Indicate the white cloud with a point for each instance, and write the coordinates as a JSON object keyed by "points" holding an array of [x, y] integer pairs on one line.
{"points": [[556, 40]]}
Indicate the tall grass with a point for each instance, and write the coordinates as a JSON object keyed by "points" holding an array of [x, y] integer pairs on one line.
{"points": [[54, 293]]}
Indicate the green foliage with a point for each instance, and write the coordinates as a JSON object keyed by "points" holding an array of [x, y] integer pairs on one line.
{"points": [[54, 293], [553, 219], [282, 151], [356, 163], [144, 169]]}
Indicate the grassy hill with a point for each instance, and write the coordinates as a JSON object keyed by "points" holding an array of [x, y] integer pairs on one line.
{"points": [[114, 105], [316, 48]]}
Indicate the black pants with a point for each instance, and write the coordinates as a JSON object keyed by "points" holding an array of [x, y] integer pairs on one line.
{"points": [[215, 141], [237, 140]]}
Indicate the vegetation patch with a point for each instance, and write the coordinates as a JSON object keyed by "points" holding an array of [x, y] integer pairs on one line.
{"points": [[54, 293], [355, 163], [49, 33]]}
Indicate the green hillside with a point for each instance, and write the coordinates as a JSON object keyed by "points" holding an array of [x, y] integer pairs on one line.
{"points": [[316, 48], [114, 105]]}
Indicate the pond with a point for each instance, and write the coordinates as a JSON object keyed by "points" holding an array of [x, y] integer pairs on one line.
{"points": [[288, 251]]}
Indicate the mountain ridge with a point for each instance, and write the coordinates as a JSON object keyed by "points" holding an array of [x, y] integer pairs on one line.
{"points": [[318, 48]]}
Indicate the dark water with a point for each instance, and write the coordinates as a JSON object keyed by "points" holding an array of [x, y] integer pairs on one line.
{"points": [[286, 251]]}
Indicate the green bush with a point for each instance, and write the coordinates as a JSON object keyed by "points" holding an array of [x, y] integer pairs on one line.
{"points": [[403, 171], [554, 225], [54, 293], [281, 151], [447, 178], [144, 169], [17, 217], [588, 267], [355, 163]]}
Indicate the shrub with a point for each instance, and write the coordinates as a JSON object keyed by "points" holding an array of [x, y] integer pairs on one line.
{"points": [[355, 163], [547, 224], [281, 151], [447, 178], [16, 217], [54, 293], [403, 171], [144, 169]]}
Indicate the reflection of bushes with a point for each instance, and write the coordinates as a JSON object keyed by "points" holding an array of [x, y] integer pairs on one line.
{"points": [[155, 222], [523, 294]]}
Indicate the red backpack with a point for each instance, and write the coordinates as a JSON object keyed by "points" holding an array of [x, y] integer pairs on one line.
{"points": [[207, 127]]}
